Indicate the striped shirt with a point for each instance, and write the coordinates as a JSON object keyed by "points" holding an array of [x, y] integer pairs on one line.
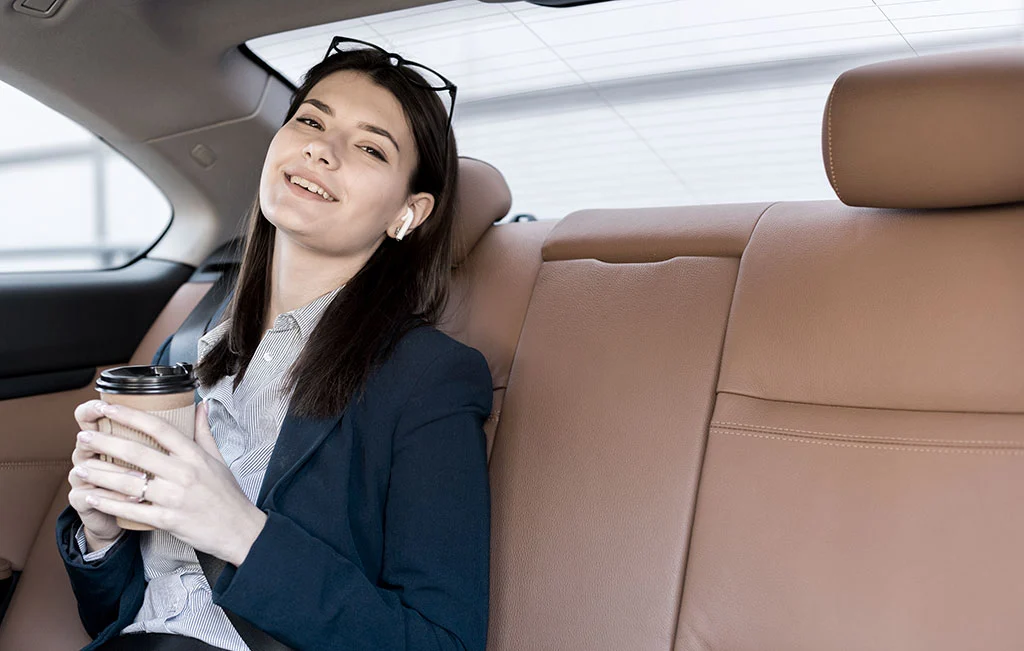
{"points": [[245, 423]]}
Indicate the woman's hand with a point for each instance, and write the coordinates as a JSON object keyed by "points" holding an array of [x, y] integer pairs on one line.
{"points": [[101, 529], [191, 494]]}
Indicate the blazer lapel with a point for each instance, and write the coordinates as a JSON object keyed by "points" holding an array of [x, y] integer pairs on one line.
{"points": [[297, 441]]}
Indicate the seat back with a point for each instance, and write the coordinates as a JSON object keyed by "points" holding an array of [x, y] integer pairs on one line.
{"points": [[865, 464], [598, 451]]}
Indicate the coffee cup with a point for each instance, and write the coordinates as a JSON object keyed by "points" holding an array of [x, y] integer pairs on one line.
{"points": [[164, 391]]}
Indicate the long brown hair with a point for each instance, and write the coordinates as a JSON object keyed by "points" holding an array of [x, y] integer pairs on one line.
{"points": [[402, 285]]}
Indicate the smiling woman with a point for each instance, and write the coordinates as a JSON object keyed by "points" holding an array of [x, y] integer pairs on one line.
{"points": [[344, 147], [339, 466], [378, 146]]}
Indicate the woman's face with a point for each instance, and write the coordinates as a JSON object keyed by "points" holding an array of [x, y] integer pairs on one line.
{"points": [[336, 176]]}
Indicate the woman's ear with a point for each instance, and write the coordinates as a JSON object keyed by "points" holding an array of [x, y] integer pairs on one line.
{"points": [[421, 205]]}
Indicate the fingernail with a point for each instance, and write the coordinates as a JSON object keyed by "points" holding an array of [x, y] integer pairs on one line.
{"points": [[81, 472], [92, 501], [109, 409], [85, 437], [136, 473]]}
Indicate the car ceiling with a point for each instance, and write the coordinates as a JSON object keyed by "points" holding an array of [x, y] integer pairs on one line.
{"points": [[130, 63]]}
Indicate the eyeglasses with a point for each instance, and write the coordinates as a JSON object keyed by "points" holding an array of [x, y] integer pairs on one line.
{"points": [[424, 77]]}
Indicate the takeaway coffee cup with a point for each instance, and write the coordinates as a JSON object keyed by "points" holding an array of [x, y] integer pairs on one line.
{"points": [[164, 391]]}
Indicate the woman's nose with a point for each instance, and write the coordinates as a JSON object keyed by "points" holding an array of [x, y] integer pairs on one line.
{"points": [[321, 152]]}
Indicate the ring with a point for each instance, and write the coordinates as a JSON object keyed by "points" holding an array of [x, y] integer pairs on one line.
{"points": [[145, 485]]}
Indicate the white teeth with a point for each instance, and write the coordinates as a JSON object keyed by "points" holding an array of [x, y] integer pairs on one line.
{"points": [[312, 187]]}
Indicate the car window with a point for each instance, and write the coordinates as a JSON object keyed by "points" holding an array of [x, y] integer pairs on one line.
{"points": [[67, 200], [653, 102]]}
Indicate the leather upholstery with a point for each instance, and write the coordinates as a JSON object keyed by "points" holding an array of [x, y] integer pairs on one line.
{"points": [[863, 474], [491, 290], [43, 614], [483, 199], [598, 451], [653, 234], [937, 131], [36, 457], [490, 293], [881, 309]]}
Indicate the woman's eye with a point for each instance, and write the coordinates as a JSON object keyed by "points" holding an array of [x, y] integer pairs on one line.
{"points": [[309, 122], [373, 152]]}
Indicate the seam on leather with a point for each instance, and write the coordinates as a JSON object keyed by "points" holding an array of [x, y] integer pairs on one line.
{"points": [[866, 437], [828, 123], [864, 446], [851, 405], [750, 237], [21, 465]]}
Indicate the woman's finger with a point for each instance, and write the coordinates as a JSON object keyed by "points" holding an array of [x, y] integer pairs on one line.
{"points": [[79, 475], [99, 464], [77, 497], [87, 413], [75, 478], [204, 436], [152, 461], [167, 436], [126, 483], [145, 513], [81, 454]]}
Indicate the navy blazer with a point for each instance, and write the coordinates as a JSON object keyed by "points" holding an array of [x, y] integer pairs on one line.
{"points": [[378, 527]]}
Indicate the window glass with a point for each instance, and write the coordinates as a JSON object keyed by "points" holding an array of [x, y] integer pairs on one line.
{"points": [[67, 200], [654, 102]]}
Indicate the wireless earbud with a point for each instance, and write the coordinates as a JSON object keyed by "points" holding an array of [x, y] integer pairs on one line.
{"points": [[406, 222]]}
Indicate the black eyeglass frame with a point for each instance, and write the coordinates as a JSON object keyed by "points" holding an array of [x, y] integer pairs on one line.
{"points": [[398, 61]]}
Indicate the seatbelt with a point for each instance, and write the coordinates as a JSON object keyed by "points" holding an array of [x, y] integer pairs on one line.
{"points": [[223, 263], [185, 342], [184, 347], [255, 638]]}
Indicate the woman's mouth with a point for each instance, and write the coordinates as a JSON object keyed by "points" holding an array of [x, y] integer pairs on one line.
{"points": [[309, 187]]}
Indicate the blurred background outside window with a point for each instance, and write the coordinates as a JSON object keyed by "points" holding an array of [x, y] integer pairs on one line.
{"points": [[67, 200]]}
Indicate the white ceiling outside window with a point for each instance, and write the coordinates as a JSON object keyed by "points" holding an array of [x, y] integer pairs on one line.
{"points": [[654, 102]]}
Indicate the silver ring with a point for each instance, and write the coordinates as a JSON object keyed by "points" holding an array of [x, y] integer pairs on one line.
{"points": [[145, 485]]}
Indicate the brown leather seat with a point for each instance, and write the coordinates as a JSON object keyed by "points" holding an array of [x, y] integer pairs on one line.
{"points": [[865, 466], [787, 426], [847, 476]]}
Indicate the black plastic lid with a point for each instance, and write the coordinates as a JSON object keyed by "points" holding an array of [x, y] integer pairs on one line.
{"points": [[143, 380]]}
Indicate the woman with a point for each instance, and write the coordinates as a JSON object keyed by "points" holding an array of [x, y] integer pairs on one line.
{"points": [[339, 464]]}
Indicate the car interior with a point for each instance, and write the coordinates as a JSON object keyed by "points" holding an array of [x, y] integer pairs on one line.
{"points": [[772, 424]]}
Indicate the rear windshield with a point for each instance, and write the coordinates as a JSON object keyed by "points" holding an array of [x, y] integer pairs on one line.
{"points": [[653, 102]]}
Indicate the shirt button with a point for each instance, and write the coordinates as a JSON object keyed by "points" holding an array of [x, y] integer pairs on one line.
{"points": [[267, 357]]}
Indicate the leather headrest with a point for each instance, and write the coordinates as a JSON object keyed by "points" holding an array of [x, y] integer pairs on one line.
{"points": [[941, 131], [484, 198]]}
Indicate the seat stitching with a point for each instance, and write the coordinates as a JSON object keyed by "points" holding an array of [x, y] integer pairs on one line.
{"points": [[828, 121], [864, 446], [16, 465], [894, 439]]}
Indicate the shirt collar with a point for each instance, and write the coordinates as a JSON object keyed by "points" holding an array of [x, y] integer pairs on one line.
{"points": [[305, 317]]}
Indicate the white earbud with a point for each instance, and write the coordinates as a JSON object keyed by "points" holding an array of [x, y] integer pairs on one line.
{"points": [[406, 222]]}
